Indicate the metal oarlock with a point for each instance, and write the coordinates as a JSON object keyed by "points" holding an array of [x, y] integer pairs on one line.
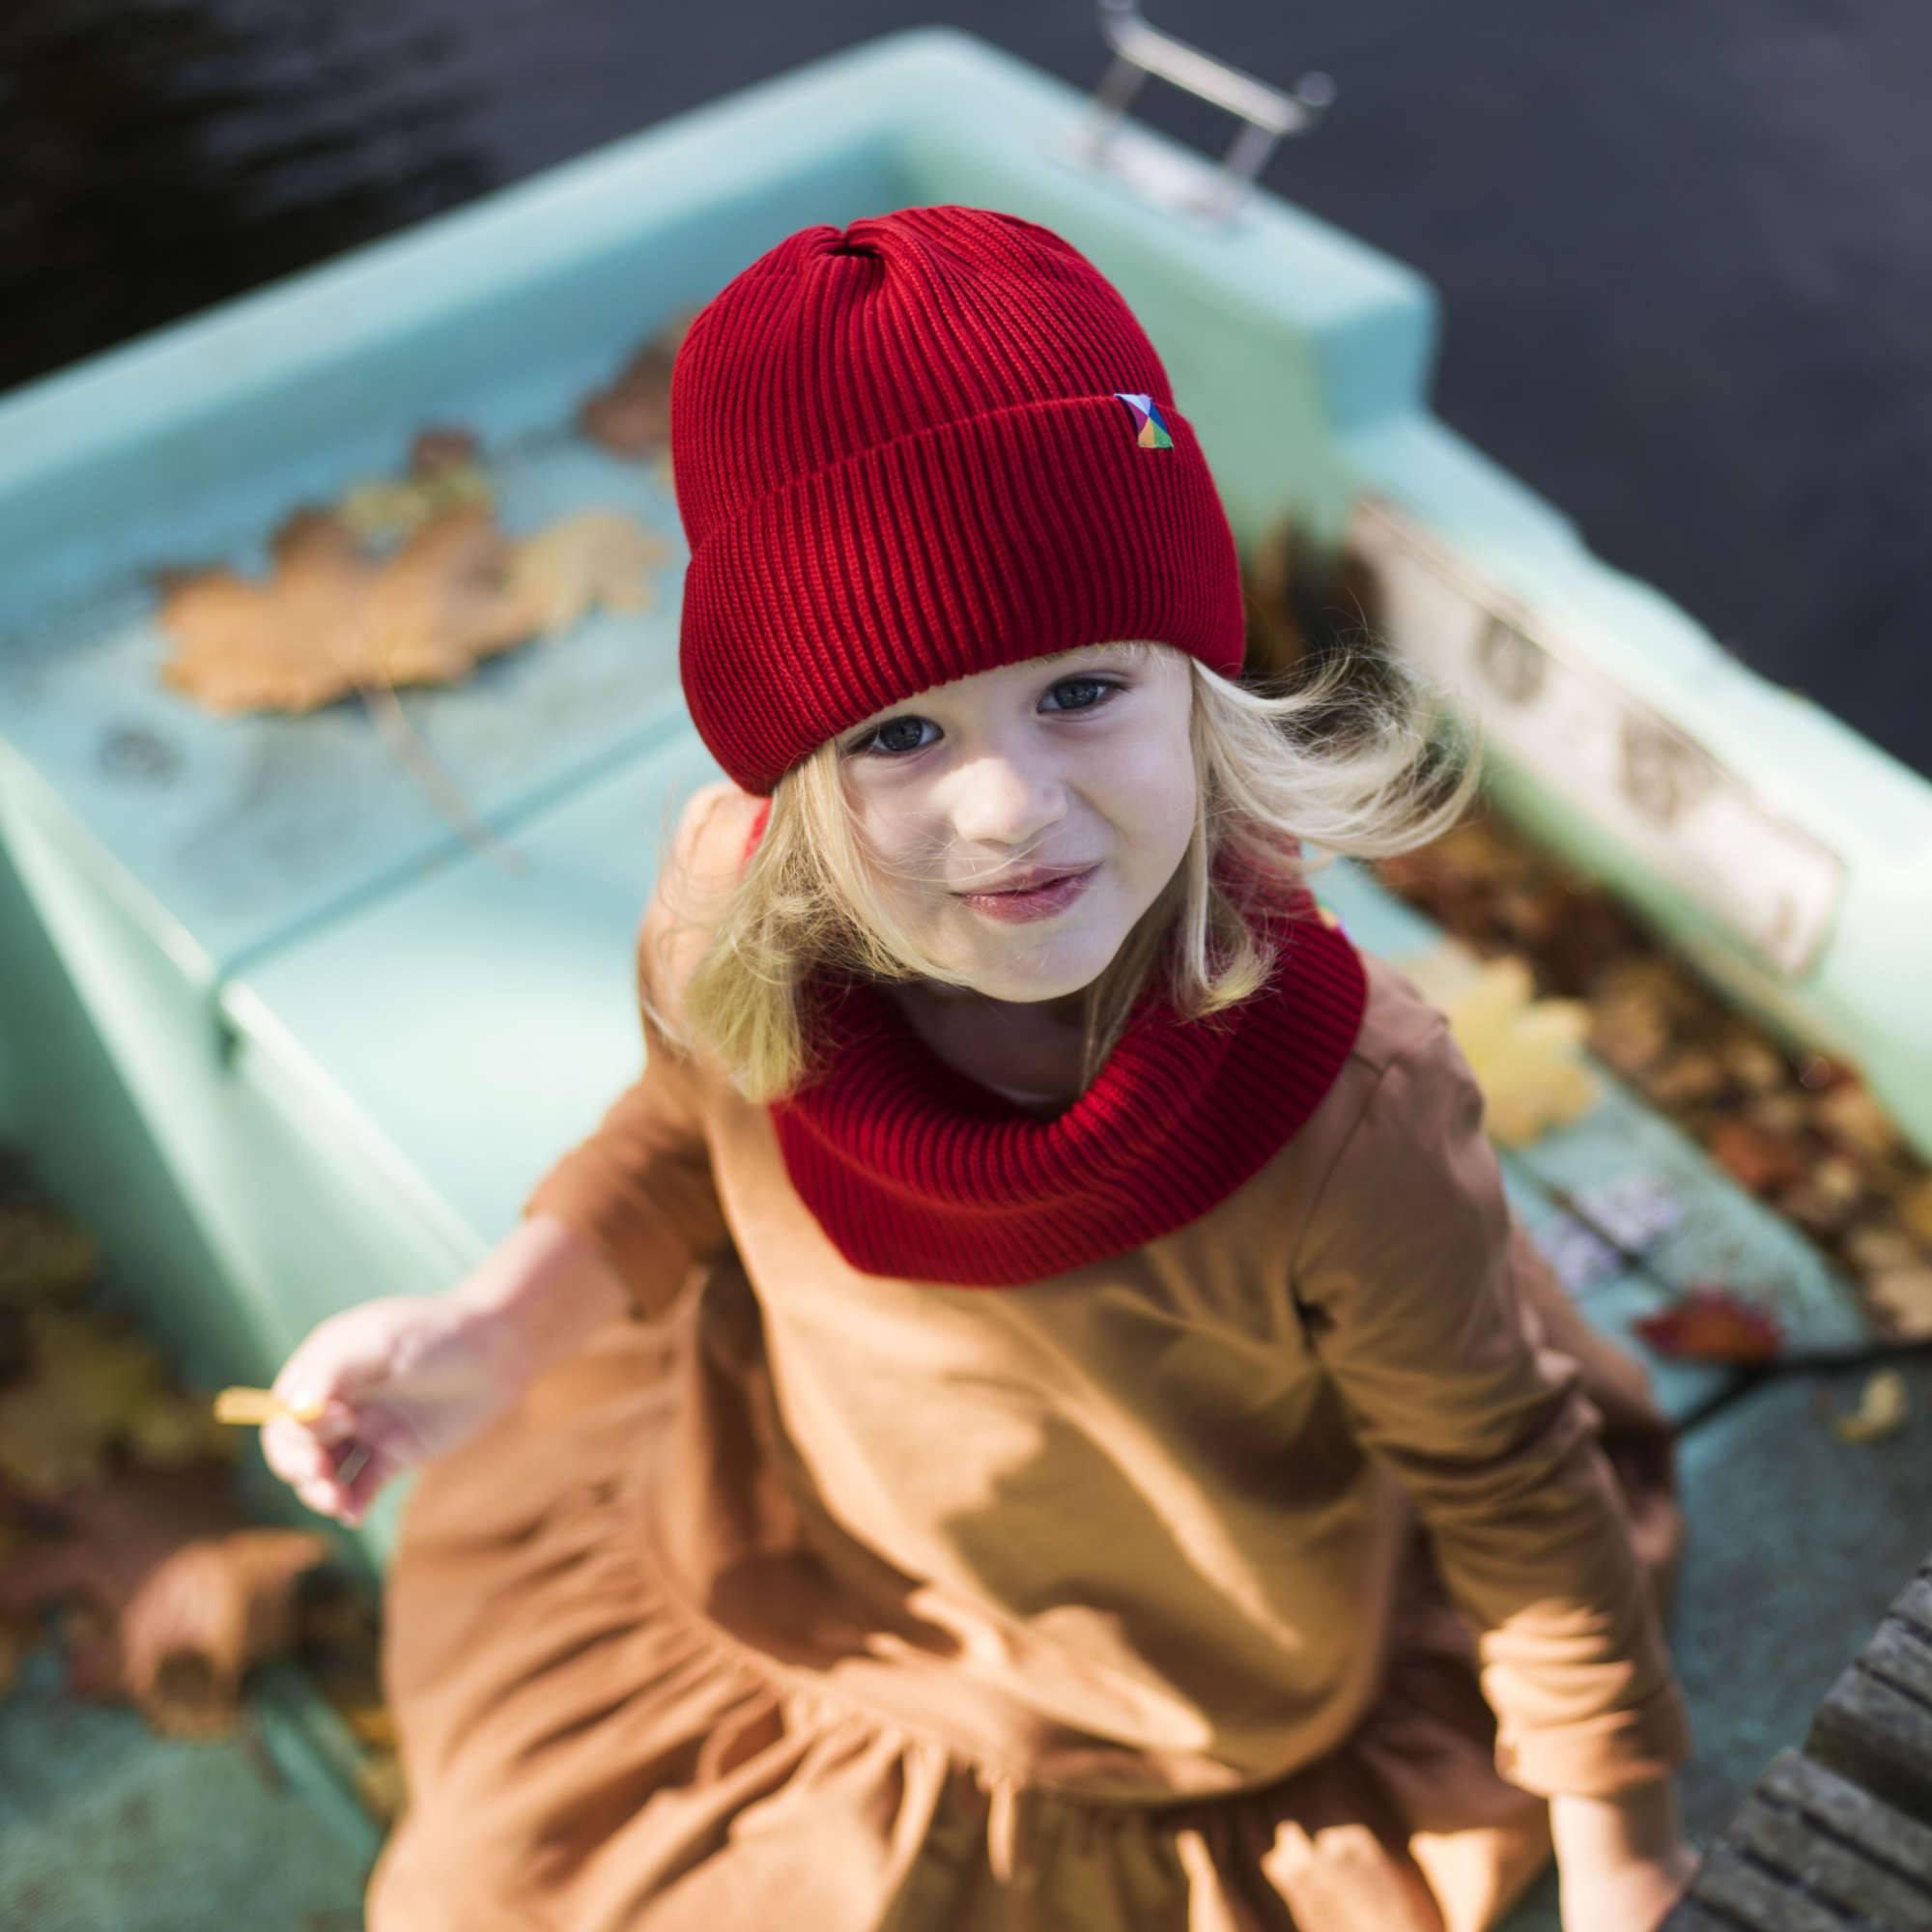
{"points": [[1266, 112]]}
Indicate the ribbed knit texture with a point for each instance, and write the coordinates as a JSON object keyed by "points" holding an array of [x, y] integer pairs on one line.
{"points": [[901, 458], [915, 1171]]}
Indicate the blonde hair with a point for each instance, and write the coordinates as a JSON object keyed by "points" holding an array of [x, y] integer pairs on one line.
{"points": [[1355, 759]]}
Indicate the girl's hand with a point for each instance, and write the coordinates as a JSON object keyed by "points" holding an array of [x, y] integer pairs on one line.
{"points": [[402, 1379], [1631, 1897], [1622, 1858]]}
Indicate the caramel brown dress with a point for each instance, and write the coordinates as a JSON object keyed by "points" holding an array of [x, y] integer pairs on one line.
{"points": [[1269, 1577]]}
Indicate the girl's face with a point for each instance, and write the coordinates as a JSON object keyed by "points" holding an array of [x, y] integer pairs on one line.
{"points": [[1081, 762]]}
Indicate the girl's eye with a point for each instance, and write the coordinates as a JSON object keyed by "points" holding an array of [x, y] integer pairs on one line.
{"points": [[1099, 684], [889, 739]]}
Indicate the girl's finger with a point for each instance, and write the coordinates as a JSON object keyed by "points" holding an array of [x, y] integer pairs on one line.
{"points": [[336, 1419], [362, 1491], [323, 1496], [290, 1451]]}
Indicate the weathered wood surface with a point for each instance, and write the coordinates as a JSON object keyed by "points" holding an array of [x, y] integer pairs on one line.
{"points": [[1875, 1724], [1839, 1838]]}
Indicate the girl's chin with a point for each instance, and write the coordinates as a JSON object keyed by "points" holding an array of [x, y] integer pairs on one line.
{"points": [[1052, 979]]}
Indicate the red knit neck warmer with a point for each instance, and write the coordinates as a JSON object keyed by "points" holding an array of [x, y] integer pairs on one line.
{"points": [[914, 1170]]}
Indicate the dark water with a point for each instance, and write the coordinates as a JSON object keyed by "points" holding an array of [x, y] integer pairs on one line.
{"points": [[1685, 248]]}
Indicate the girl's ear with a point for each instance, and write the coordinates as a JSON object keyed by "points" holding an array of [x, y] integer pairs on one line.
{"points": [[760, 819], [704, 862], [716, 833]]}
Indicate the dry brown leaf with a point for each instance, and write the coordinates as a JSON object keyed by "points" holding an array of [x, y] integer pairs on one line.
{"points": [[631, 416], [89, 1385], [105, 1372], [46, 1448], [1880, 1409], [1850, 1114], [1874, 1245], [172, 1429], [332, 620], [1914, 1209], [593, 558], [43, 1252], [1905, 1293], [382, 508], [444, 473], [1759, 1158], [1710, 1323], [440, 448]]}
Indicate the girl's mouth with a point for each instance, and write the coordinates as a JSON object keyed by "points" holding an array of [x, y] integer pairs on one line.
{"points": [[1042, 902]]}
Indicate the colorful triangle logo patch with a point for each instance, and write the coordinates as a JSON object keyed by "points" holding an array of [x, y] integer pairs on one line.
{"points": [[1145, 411]]}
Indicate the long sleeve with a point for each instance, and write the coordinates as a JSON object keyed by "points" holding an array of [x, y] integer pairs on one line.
{"points": [[640, 1185], [1409, 1279]]}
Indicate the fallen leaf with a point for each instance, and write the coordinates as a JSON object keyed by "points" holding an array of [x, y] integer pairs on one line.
{"points": [[89, 1385], [1712, 1323], [594, 557], [382, 508], [631, 417], [1848, 1113], [1880, 1409], [43, 1252], [1905, 1295], [1522, 1050], [46, 1447], [441, 448], [1914, 1209], [104, 1371], [444, 473], [333, 620], [1758, 1158], [1689, 1074]]}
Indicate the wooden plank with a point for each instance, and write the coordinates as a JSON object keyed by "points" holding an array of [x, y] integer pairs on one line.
{"points": [[1838, 1838], [1731, 1885], [1837, 1843], [1809, 1850], [1875, 1724], [1687, 1915]]}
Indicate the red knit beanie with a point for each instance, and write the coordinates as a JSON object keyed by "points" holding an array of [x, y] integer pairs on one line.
{"points": [[929, 444]]}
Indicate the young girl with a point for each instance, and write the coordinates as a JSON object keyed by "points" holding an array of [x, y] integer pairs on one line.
{"points": [[1031, 1411]]}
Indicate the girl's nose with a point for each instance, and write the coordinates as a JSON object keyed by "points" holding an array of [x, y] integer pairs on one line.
{"points": [[1001, 801]]}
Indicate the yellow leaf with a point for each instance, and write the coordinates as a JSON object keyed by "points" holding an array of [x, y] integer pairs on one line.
{"points": [[385, 507], [596, 556], [104, 1378], [1880, 1409], [1523, 1051]]}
